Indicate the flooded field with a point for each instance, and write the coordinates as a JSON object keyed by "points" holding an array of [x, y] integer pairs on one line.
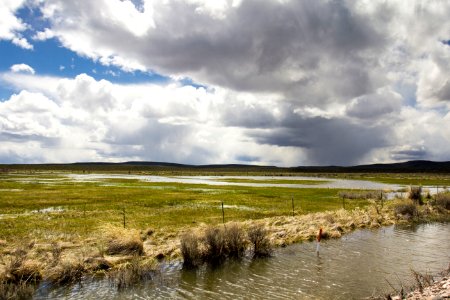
{"points": [[326, 183], [361, 264]]}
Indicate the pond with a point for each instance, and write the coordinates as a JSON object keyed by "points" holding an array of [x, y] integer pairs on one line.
{"points": [[360, 264]]}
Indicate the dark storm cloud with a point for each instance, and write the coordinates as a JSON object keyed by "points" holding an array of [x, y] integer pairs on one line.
{"points": [[410, 154], [25, 138], [258, 42], [307, 50], [326, 141]]}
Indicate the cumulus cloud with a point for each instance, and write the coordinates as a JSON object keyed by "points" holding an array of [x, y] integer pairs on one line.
{"points": [[22, 68], [12, 26], [286, 82], [382, 104]]}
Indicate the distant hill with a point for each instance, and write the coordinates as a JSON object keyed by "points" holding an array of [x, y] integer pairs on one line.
{"points": [[417, 166]]}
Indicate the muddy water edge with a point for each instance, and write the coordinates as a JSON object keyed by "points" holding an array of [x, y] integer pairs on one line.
{"points": [[361, 264]]}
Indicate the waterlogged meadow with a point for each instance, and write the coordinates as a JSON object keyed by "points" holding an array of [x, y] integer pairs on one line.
{"points": [[48, 205], [57, 227]]}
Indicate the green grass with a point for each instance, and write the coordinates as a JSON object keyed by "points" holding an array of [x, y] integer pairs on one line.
{"points": [[161, 206]]}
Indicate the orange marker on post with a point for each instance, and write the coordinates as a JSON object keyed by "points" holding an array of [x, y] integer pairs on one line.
{"points": [[319, 237]]}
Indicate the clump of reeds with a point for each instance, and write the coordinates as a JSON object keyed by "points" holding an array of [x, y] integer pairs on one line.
{"points": [[215, 248], [20, 290], [259, 240], [442, 200], [415, 194], [67, 272], [216, 244], [190, 250], [361, 194], [235, 241], [406, 208], [131, 273], [422, 280], [56, 252], [121, 241], [21, 269]]}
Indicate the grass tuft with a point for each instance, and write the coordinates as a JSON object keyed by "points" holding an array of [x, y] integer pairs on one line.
{"points": [[121, 241], [132, 273], [11, 291], [235, 241], [215, 248], [190, 250], [415, 194], [259, 240], [67, 272], [406, 209], [443, 200]]}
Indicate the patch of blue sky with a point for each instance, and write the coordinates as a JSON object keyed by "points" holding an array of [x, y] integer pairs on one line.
{"points": [[32, 16], [50, 58]]}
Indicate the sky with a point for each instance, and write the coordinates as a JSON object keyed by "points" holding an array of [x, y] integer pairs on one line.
{"points": [[267, 82]]}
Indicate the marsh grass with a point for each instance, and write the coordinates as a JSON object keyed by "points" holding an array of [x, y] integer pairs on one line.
{"points": [[131, 273], [217, 243], [67, 272], [442, 200], [86, 205], [20, 291], [361, 194], [190, 250], [91, 216], [257, 235], [235, 240], [406, 208], [415, 194], [121, 241]]}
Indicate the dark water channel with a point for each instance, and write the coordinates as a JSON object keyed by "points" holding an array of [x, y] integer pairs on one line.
{"points": [[354, 267]]}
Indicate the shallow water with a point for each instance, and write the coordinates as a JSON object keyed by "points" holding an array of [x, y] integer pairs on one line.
{"points": [[356, 266], [331, 183]]}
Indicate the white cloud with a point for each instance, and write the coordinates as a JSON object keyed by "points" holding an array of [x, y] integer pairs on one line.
{"points": [[289, 82], [44, 35], [10, 25], [22, 68], [22, 42]]}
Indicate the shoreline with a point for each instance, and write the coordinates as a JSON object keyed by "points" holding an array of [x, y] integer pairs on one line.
{"points": [[438, 290], [68, 262]]}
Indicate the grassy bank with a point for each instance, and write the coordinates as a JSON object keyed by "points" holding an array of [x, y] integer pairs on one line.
{"points": [[58, 229]]}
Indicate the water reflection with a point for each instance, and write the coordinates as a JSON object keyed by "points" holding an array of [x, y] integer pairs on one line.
{"points": [[356, 266]]}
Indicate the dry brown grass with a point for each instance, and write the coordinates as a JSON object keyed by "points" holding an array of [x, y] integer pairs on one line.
{"points": [[443, 201], [67, 272], [235, 240], [406, 208], [190, 250], [19, 291], [215, 248], [121, 241], [131, 273], [261, 245]]}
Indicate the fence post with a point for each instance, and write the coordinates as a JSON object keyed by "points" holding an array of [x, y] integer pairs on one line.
{"points": [[292, 200], [223, 214], [124, 217]]}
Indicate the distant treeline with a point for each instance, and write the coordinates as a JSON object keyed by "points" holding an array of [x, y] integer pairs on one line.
{"points": [[137, 166]]}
